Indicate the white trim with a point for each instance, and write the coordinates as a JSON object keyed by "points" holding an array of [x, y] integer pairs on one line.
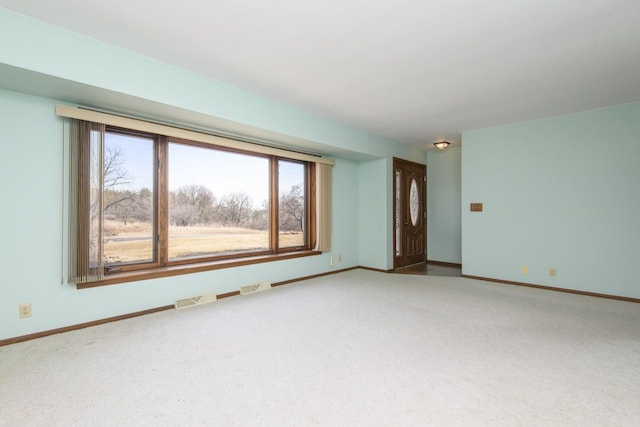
{"points": [[145, 126]]}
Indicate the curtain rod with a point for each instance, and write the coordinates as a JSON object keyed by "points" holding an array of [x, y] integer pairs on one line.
{"points": [[177, 132]]}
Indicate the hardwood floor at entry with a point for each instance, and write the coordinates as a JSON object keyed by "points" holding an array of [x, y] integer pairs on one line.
{"points": [[430, 269]]}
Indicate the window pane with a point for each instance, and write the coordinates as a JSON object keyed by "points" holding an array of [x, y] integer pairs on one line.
{"points": [[292, 206], [218, 202], [128, 198]]}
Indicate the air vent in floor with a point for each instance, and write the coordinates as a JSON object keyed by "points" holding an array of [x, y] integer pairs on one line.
{"points": [[262, 286], [193, 301]]}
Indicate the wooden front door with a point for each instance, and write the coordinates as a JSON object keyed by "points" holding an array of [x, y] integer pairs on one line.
{"points": [[409, 208]]}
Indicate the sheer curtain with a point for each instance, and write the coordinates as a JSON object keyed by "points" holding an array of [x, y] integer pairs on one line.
{"points": [[323, 207], [86, 146]]}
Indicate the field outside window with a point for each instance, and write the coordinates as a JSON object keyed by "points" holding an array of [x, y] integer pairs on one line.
{"points": [[171, 202]]}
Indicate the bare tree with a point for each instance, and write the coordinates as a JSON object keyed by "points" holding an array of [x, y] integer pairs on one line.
{"points": [[260, 217], [292, 209], [116, 179], [119, 205], [143, 210], [234, 209], [191, 205]]}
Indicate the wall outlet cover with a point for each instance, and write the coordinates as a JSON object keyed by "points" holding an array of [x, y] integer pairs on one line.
{"points": [[24, 311]]}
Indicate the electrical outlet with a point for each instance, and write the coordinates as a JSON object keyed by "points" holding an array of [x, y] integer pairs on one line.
{"points": [[525, 269], [339, 258], [331, 261], [24, 310], [553, 272]]}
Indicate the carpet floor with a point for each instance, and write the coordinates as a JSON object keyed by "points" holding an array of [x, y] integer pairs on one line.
{"points": [[358, 348]]}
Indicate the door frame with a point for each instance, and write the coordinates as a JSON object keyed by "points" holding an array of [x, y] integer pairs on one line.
{"points": [[396, 214]]}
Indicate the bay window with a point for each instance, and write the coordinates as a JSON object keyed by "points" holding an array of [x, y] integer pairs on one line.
{"points": [[145, 203]]}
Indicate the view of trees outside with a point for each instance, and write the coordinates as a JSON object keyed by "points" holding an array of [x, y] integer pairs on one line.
{"points": [[291, 198], [128, 198], [218, 201]]}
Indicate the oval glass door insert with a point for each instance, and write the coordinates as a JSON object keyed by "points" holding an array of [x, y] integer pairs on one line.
{"points": [[414, 202]]}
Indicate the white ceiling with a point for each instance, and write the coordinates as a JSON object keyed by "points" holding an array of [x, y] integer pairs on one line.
{"points": [[415, 71]]}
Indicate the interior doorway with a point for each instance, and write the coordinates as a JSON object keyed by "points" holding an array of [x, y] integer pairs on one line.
{"points": [[409, 213]]}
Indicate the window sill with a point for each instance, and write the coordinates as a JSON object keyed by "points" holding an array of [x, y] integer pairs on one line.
{"points": [[176, 270]]}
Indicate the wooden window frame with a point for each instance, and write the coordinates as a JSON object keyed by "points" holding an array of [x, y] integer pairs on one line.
{"points": [[162, 266], [276, 201], [155, 262]]}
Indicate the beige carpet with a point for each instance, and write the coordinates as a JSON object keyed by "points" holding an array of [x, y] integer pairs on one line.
{"points": [[354, 349]]}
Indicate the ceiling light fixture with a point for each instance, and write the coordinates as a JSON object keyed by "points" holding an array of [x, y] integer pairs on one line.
{"points": [[441, 145]]}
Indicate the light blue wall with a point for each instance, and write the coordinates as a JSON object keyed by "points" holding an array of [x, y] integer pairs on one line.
{"points": [[31, 223], [37, 57], [561, 192], [373, 201], [36, 46], [444, 237]]}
